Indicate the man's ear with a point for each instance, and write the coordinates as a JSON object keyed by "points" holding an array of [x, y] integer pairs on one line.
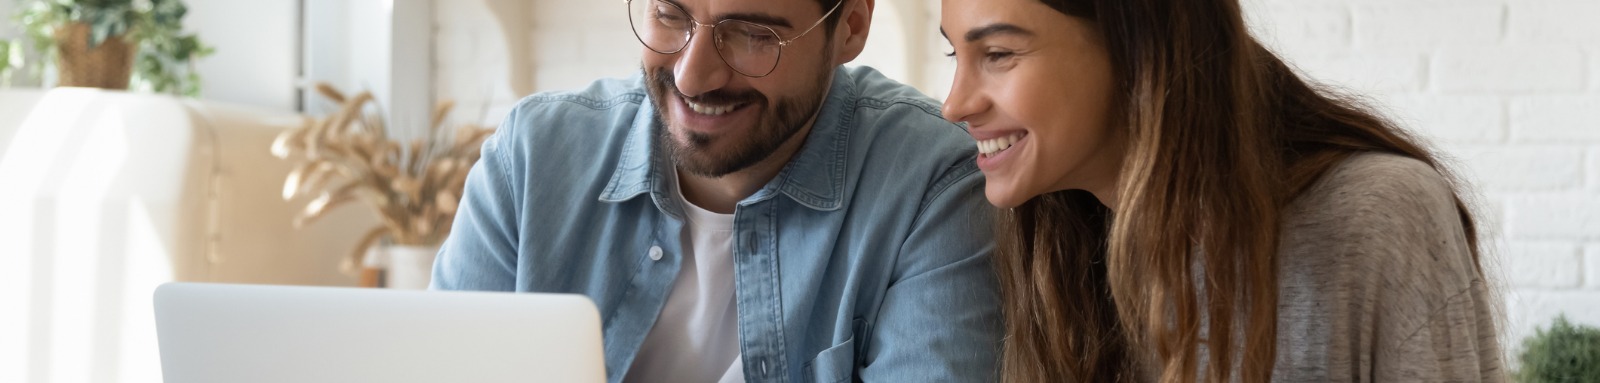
{"points": [[850, 37]]}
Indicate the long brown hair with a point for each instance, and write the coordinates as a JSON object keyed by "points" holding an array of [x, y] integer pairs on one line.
{"points": [[1221, 135]]}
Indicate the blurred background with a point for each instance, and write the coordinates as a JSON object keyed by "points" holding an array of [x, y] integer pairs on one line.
{"points": [[226, 163]]}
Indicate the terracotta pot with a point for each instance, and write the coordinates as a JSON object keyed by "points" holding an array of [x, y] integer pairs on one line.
{"points": [[109, 65]]}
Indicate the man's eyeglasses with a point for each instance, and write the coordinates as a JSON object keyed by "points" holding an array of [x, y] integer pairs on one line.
{"points": [[749, 48]]}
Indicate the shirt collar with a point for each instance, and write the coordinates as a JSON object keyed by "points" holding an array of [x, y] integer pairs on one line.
{"points": [[814, 178]]}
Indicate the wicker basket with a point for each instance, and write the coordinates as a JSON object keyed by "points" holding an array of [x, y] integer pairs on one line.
{"points": [[106, 66]]}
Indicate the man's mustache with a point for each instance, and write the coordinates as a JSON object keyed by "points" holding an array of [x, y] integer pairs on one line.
{"points": [[663, 80]]}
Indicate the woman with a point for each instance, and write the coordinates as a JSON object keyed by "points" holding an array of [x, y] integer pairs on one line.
{"points": [[1178, 205]]}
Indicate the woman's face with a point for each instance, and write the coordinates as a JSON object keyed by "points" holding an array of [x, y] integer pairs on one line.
{"points": [[1035, 87]]}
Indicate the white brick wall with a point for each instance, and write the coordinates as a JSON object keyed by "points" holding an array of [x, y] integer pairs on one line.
{"points": [[482, 55], [1555, 21], [1426, 23], [491, 53], [1496, 168], [1556, 118], [1554, 216], [1594, 68], [1511, 91], [578, 41], [1591, 262], [1530, 69], [1580, 306], [1543, 265], [1594, 172], [1388, 73], [1509, 88], [1456, 119], [1314, 27]]}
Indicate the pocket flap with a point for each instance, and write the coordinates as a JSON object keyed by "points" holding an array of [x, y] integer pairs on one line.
{"points": [[836, 364]]}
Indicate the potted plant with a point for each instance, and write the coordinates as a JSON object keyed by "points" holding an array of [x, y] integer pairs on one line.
{"points": [[1561, 353], [414, 187], [110, 43]]}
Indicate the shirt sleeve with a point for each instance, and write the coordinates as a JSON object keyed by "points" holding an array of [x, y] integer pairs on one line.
{"points": [[940, 317], [481, 251], [1434, 313]]}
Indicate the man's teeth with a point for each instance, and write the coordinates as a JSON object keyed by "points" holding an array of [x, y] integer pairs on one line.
{"points": [[710, 110], [990, 147]]}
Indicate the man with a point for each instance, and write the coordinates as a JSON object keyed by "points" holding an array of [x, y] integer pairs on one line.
{"points": [[737, 217]]}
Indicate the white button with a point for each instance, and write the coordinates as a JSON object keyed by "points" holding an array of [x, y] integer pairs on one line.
{"points": [[655, 253]]}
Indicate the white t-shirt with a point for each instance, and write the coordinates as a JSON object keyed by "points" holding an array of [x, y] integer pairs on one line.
{"points": [[696, 338]]}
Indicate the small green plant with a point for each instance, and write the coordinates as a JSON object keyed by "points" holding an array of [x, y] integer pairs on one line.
{"points": [[1563, 353], [165, 57], [10, 60]]}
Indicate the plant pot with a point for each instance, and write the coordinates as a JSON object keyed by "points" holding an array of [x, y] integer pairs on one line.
{"points": [[108, 66], [405, 267]]}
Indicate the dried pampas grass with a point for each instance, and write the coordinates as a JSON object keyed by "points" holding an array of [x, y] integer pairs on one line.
{"points": [[414, 187]]}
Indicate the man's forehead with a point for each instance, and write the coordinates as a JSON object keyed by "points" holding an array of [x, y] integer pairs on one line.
{"points": [[751, 5]]}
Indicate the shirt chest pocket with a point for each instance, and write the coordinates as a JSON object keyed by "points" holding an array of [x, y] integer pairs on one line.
{"points": [[836, 364]]}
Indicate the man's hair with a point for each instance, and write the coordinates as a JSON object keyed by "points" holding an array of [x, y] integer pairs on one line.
{"points": [[833, 19]]}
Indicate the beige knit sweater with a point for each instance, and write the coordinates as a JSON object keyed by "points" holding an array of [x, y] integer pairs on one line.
{"points": [[1378, 283]]}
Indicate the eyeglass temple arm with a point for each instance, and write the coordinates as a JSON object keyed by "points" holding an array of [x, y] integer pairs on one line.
{"points": [[814, 25]]}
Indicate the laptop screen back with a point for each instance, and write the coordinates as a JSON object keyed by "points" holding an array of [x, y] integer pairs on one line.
{"points": [[244, 333]]}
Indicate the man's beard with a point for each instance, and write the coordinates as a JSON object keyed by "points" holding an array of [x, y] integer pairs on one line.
{"points": [[777, 123]]}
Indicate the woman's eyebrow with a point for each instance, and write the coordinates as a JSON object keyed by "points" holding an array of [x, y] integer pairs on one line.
{"points": [[986, 31]]}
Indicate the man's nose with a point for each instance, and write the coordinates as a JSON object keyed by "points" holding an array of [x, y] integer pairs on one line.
{"points": [[700, 68]]}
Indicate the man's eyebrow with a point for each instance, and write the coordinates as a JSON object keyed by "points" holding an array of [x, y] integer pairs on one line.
{"points": [[991, 30], [758, 18]]}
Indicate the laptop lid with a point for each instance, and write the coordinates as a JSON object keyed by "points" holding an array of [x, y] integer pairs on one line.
{"points": [[250, 333]]}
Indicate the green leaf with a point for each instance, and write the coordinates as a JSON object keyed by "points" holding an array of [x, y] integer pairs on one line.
{"points": [[1561, 353], [99, 31]]}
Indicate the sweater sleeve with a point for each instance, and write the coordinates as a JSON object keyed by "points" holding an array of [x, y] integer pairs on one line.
{"points": [[1380, 283]]}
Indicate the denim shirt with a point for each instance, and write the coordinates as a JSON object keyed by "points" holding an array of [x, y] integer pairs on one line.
{"points": [[867, 257]]}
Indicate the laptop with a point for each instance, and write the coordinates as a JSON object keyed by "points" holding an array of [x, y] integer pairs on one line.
{"points": [[252, 333]]}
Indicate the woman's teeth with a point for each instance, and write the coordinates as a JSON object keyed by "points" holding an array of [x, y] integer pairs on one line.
{"points": [[710, 110], [990, 147]]}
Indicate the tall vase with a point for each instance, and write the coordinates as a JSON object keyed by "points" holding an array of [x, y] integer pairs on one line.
{"points": [[108, 65], [405, 267]]}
